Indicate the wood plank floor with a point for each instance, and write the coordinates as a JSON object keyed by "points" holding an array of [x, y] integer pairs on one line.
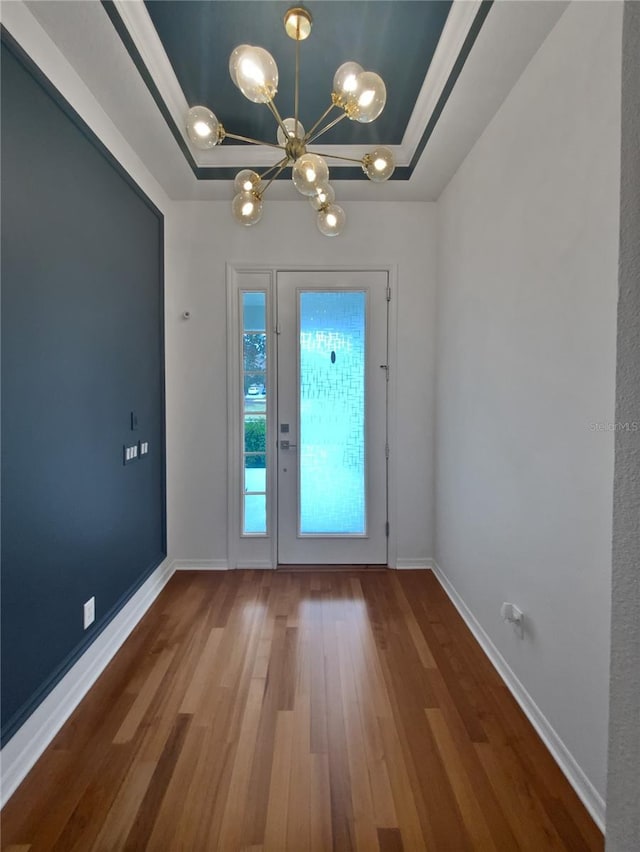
{"points": [[311, 711]]}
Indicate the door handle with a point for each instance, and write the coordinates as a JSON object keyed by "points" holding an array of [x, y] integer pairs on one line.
{"points": [[287, 445]]}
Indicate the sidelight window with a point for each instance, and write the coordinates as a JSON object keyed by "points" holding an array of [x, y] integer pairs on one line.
{"points": [[254, 406]]}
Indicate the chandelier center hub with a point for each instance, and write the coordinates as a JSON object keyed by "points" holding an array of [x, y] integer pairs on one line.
{"points": [[295, 148]]}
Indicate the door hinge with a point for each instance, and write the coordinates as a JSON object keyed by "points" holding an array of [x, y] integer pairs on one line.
{"points": [[386, 529], [388, 293], [386, 451]]}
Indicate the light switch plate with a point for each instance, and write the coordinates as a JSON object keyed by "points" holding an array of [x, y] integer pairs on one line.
{"points": [[89, 612]]}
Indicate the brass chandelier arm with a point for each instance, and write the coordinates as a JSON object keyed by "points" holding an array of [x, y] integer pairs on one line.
{"points": [[278, 118], [327, 127], [309, 133], [296, 97], [282, 166], [273, 168], [340, 157], [252, 141]]}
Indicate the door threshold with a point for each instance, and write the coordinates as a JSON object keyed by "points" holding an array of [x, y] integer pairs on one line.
{"points": [[330, 568]]}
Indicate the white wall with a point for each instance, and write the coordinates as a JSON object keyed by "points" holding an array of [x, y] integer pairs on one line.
{"points": [[526, 325], [201, 239], [623, 790]]}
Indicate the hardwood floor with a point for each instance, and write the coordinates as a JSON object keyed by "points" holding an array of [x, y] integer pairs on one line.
{"points": [[298, 711]]}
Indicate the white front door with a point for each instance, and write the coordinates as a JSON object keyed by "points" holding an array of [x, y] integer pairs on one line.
{"points": [[332, 375]]}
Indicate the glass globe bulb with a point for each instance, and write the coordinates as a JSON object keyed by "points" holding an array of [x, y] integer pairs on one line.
{"points": [[331, 220], [202, 127], [246, 181], [234, 60], [309, 171], [379, 164], [290, 124], [255, 73], [322, 195], [369, 98], [345, 79], [246, 208]]}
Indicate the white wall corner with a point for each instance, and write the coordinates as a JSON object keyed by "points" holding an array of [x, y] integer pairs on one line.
{"points": [[28, 743], [590, 797], [200, 565]]}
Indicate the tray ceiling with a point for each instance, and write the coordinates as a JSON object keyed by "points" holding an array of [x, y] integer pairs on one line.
{"points": [[419, 47], [118, 53]]}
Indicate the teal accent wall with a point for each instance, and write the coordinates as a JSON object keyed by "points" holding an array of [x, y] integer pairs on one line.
{"points": [[82, 347]]}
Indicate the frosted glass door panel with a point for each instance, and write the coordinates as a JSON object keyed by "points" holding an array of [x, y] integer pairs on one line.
{"points": [[331, 417], [332, 359]]}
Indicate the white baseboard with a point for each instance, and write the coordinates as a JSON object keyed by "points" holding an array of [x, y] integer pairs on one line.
{"points": [[590, 797], [28, 743], [222, 565], [200, 565], [414, 564]]}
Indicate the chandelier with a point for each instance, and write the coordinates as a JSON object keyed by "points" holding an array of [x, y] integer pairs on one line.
{"points": [[359, 95]]}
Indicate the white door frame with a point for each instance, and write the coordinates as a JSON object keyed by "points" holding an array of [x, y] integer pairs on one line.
{"points": [[261, 551]]}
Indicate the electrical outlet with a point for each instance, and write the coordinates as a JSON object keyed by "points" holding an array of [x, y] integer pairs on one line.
{"points": [[513, 615], [89, 610]]}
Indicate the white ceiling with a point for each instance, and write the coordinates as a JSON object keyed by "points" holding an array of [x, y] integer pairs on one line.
{"points": [[510, 36]]}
